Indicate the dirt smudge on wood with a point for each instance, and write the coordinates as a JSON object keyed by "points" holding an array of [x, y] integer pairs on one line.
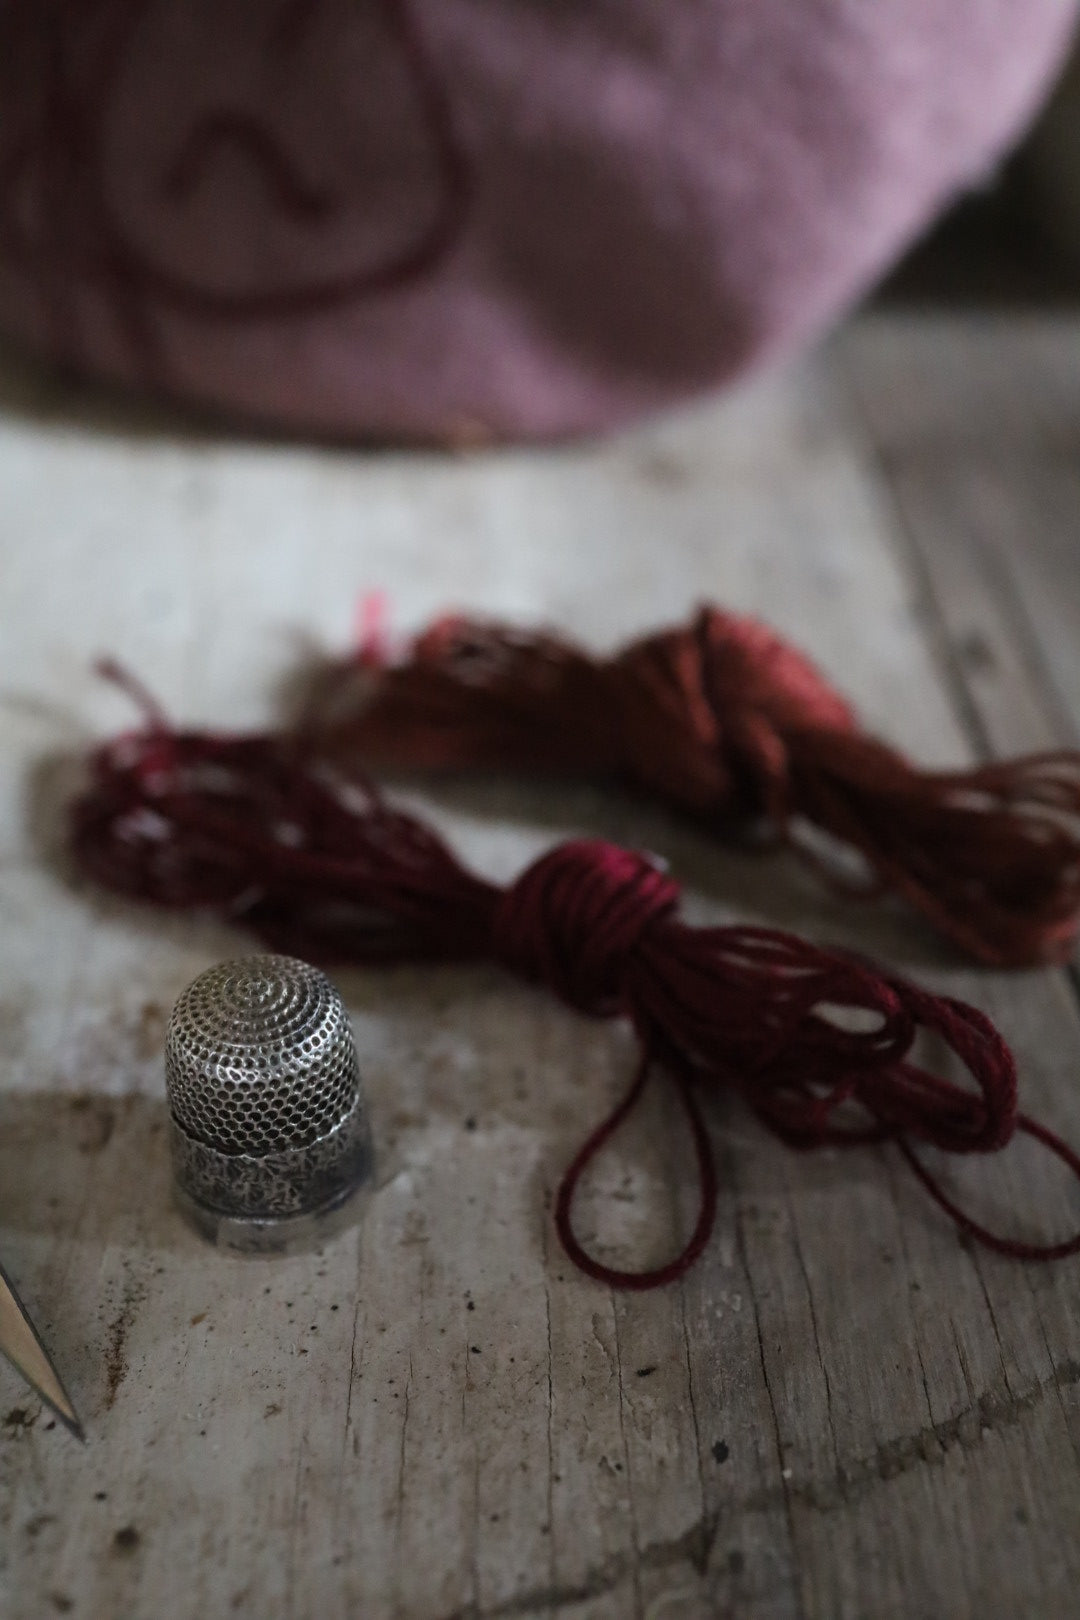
{"points": [[95, 1121], [116, 1360]]}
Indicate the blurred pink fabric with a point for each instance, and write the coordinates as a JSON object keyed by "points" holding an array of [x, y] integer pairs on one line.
{"points": [[447, 219]]}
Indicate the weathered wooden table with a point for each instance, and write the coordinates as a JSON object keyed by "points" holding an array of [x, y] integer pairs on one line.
{"points": [[843, 1411]]}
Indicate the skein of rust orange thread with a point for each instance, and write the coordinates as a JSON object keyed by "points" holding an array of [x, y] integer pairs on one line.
{"points": [[722, 720]]}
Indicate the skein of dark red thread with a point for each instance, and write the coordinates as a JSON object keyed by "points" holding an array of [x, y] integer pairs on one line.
{"points": [[318, 864], [724, 721]]}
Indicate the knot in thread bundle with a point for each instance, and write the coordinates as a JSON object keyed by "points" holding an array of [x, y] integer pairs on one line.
{"points": [[574, 919], [318, 865], [749, 671], [724, 721], [712, 707]]}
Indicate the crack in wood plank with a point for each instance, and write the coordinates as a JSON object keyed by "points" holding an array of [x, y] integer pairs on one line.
{"points": [[356, 1366], [968, 1429], [800, 1260], [550, 1498], [693, 1401], [693, 1547], [635, 1571], [768, 1499], [400, 1493], [294, 1531]]}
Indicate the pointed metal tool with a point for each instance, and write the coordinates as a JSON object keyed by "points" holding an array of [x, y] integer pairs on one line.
{"points": [[20, 1343]]}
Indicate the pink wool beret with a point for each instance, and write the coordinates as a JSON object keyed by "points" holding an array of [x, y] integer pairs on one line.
{"points": [[455, 218]]}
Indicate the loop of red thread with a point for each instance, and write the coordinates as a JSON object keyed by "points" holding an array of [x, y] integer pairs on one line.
{"points": [[706, 1169], [319, 865], [1015, 1248], [723, 720]]}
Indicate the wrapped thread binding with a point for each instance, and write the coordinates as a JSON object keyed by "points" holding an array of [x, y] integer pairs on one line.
{"points": [[318, 864]]}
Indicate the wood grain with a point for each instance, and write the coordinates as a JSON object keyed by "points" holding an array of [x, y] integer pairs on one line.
{"points": [[842, 1411]]}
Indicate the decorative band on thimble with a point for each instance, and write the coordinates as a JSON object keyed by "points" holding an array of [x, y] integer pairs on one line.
{"points": [[269, 1129]]}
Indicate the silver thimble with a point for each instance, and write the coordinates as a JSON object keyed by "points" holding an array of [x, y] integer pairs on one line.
{"points": [[269, 1131]]}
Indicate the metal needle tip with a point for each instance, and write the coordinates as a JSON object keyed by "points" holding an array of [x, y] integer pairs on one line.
{"points": [[21, 1344]]}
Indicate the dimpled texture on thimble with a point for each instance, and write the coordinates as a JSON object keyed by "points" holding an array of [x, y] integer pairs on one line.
{"points": [[259, 1056]]}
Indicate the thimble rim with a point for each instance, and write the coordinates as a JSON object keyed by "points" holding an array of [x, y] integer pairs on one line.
{"points": [[273, 1186]]}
